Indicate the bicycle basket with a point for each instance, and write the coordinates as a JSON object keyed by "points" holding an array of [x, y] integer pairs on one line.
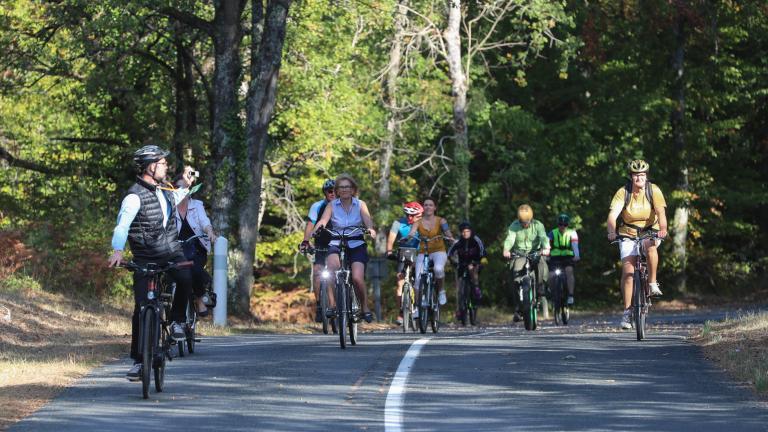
{"points": [[408, 254]]}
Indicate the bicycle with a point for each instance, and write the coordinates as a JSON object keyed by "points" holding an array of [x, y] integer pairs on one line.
{"points": [[526, 289], [348, 310], [467, 306], [429, 307], [190, 324], [325, 277], [154, 335], [559, 293], [641, 291], [408, 256]]}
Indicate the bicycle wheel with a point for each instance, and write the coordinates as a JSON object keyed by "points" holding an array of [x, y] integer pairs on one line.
{"points": [[434, 317], [406, 306], [534, 308], [637, 306], [463, 302], [341, 314], [324, 304], [162, 349], [191, 327], [473, 315], [528, 308], [354, 316], [557, 300], [148, 332], [423, 307]]}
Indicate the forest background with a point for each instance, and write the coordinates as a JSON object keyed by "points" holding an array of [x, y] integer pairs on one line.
{"points": [[483, 105]]}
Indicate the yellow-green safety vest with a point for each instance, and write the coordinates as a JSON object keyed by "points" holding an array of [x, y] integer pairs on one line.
{"points": [[561, 243]]}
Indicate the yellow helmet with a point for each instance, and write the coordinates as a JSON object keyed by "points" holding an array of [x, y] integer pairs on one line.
{"points": [[525, 213], [638, 166]]}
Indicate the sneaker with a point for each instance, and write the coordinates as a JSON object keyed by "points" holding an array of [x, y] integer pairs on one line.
{"points": [[134, 373], [655, 290], [516, 317], [626, 320], [319, 314], [399, 320], [416, 313], [570, 301], [368, 317], [330, 313], [441, 298], [177, 332]]}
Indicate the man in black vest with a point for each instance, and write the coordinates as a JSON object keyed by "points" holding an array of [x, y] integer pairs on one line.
{"points": [[146, 219]]}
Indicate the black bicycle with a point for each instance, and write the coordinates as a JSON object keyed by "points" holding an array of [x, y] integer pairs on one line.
{"points": [[155, 339], [348, 310], [641, 291], [467, 306], [407, 255], [559, 292], [325, 279], [526, 289], [190, 323], [429, 307]]}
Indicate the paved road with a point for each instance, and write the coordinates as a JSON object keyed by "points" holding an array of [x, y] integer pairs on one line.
{"points": [[586, 377]]}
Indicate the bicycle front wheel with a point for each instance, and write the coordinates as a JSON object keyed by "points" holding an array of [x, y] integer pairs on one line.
{"points": [[637, 306], [406, 306], [148, 332], [162, 349], [423, 307], [341, 314], [557, 301], [324, 304], [434, 311], [463, 301]]}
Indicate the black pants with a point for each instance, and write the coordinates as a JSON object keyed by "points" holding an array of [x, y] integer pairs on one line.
{"points": [[184, 283], [200, 277]]}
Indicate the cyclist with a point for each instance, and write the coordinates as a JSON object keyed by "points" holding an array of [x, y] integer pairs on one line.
{"points": [[637, 208], [525, 235], [470, 251], [348, 211], [565, 251], [146, 220], [431, 225], [315, 211], [399, 231]]}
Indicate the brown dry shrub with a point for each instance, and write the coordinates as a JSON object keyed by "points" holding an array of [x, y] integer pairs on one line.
{"points": [[13, 252], [295, 306]]}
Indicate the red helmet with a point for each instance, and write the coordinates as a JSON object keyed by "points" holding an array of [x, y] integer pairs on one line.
{"points": [[413, 208]]}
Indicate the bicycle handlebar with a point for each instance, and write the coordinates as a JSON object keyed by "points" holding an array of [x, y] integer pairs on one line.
{"points": [[152, 269], [646, 236]]}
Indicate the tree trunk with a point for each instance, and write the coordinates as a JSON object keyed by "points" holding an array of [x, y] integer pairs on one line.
{"points": [[388, 145], [227, 36], [185, 116], [266, 56], [452, 38], [679, 227]]}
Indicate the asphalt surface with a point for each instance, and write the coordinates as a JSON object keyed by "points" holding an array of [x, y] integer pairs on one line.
{"points": [[587, 377]]}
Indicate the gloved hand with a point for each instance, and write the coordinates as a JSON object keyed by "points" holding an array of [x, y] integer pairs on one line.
{"points": [[303, 246]]}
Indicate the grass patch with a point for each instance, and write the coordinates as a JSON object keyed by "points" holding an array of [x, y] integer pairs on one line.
{"points": [[740, 346]]}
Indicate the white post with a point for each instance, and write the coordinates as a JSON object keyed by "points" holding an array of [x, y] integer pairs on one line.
{"points": [[220, 281]]}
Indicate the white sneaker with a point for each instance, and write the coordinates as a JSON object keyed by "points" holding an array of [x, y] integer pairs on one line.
{"points": [[416, 313], [626, 320], [441, 298], [570, 301], [134, 373], [655, 290]]}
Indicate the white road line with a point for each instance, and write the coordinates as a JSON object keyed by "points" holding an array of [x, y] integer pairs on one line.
{"points": [[393, 409]]}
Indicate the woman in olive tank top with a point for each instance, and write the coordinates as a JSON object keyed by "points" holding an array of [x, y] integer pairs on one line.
{"points": [[429, 226]]}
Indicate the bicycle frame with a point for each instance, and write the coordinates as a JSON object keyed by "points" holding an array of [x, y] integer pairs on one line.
{"points": [[641, 291], [429, 308], [408, 294]]}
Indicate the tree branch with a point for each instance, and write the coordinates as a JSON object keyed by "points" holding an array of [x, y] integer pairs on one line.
{"points": [[189, 19]]}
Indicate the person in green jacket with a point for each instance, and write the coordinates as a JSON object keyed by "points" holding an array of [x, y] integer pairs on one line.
{"points": [[525, 235], [565, 252]]}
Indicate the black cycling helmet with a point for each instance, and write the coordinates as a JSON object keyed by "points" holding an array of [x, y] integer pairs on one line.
{"points": [[464, 225], [563, 219], [147, 155], [329, 185]]}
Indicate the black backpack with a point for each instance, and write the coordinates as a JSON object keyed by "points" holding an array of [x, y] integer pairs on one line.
{"points": [[628, 197]]}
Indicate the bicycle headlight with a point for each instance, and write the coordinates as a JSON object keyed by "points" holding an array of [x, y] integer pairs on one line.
{"points": [[325, 274], [557, 272]]}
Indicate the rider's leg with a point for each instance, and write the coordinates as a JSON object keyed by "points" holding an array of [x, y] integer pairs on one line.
{"points": [[358, 280], [333, 263], [653, 259], [542, 274], [627, 279], [184, 283], [439, 259], [201, 279]]}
